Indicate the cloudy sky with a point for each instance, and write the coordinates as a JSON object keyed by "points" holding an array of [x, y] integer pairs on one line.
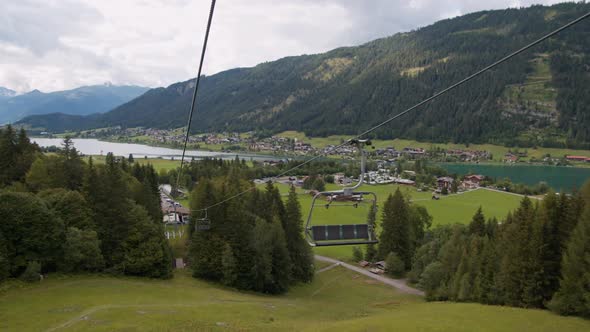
{"points": [[61, 44]]}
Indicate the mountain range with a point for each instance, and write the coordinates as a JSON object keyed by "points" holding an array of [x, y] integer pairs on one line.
{"points": [[80, 101], [538, 98], [6, 93]]}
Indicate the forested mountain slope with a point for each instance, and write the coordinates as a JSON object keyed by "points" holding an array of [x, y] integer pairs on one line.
{"points": [[540, 97]]}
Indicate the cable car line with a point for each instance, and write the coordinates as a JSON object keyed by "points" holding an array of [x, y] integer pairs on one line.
{"points": [[193, 103], [423, 102]]}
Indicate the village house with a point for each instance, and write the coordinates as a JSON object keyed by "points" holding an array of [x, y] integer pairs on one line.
{"points": [[475, 178], [510, 158], [414, 152], [444, 182], [471, 182], [176, 214], [578, 158]]}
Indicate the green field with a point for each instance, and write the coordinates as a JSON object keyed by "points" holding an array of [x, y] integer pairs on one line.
{"points": [[450, 209], [338, 300], [158, 163]]}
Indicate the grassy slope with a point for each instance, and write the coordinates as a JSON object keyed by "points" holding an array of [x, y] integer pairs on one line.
{"points": [[337, 300]]}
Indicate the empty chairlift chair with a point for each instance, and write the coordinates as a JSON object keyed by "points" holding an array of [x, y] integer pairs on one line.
{"points": [[203, 224], [344, 234]]}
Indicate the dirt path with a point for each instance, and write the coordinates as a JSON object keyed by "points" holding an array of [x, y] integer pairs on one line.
{"points": [[397, 283], [513, 194], [327, 268]]}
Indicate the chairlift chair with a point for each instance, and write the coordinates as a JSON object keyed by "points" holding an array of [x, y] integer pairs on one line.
{"points": [[203, 224], [344, 234]]}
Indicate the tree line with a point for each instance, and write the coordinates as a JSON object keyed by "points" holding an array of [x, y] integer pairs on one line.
{"points": [[536, 257], [59, 213]]}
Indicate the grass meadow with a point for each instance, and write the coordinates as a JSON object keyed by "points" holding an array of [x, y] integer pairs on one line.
{"points": [[449, 209], [337, 300]]}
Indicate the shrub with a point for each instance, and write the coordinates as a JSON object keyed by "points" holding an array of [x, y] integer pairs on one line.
{"points": [[357, 254], [32, 273], [395, 267]]}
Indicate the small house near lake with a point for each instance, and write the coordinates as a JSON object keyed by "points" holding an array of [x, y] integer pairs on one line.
{"points": [[444, 182]]}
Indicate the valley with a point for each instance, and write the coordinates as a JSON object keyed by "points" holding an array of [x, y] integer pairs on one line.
{"points": [[427, 176]]}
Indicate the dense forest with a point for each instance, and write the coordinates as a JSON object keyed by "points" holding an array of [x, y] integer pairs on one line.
{"points": [[537, 98], [255, 242], [59, 213], [537, 257]]}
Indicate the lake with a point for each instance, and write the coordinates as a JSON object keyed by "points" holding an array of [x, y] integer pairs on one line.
{"points": [[559, 178], [95, 147]]}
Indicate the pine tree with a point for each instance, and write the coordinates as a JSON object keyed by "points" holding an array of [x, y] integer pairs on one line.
{"points": [[228, 266], [237, 229], [395, 266], [460, 281], [73, 167], [395, 236], [271, 262], [17, 155], [4, 263], [299, 251], [205, 255], [26, 154], [274, 206], [573, 297], [262, 263], [8, 152], [370, 249], [108, 194], [450, 257], [521, 267], [478, 223], [550, 217], [281, 262], [145, 249], [485, 290], [570, 210]]}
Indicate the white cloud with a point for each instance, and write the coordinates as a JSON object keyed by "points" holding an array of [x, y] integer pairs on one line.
{"points": [[60, 44]]}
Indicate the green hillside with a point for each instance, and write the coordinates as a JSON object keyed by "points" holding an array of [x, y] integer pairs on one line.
{"points": [[338, 300], [538, 98]]}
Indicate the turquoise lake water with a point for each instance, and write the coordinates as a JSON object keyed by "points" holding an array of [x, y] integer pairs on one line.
{"points": [[559, 178]]}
